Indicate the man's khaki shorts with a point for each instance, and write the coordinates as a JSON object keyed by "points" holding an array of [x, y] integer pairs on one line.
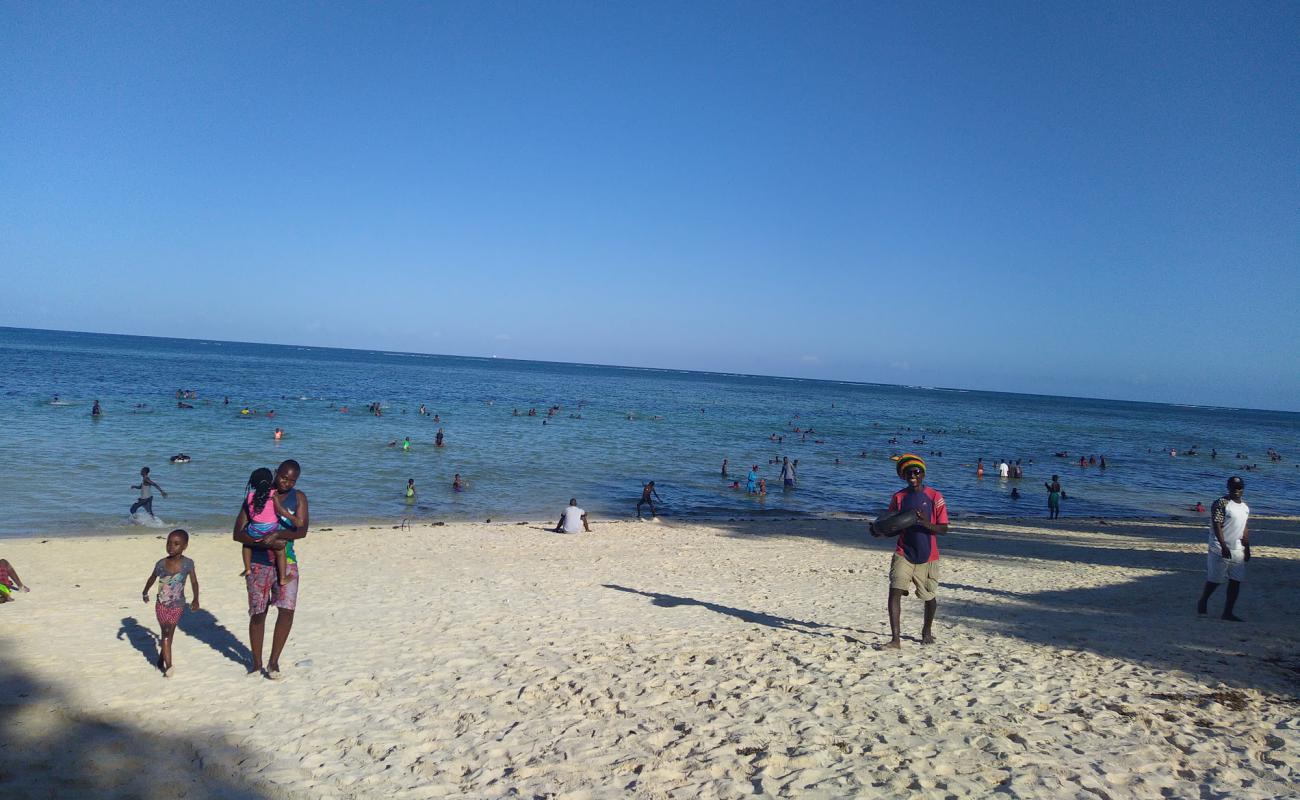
{"points": [[905, 575]]}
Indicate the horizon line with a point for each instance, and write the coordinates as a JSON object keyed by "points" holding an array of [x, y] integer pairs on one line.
{"points": [[665, 369]]}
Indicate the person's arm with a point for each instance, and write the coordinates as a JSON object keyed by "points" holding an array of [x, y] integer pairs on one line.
{"points": [[297, 518], [155, 485], [657, 497], [153, 576], [1217, 517], [194, 582], [939, 512], [1245, 540], [301, 520]]}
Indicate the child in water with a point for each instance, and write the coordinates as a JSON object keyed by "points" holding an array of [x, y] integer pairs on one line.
{"points": [[171, 572], [264, 514], [410, 488]]}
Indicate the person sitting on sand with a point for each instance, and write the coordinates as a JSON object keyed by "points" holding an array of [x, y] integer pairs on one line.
{"points": [[646, 492], [171, 572], [10, 582], [916, 555], [572, 519], [264, 513], [1229, 547]]}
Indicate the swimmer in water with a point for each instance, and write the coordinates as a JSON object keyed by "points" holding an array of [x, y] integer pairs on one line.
{"points": [[279, 434], [406, 444], [410, 490], [437, 440], [457, 485], [95, 410], [179, 458]]}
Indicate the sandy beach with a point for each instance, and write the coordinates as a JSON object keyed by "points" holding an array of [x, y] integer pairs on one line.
{"points": [[663, 659]]}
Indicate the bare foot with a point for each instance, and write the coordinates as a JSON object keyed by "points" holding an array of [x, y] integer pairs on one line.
{"points": [[1232, 618], [167, 673], [927, 638], [893, 644]]}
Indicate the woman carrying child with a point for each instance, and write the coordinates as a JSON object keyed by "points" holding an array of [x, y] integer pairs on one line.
{"points": [[171, 572], [264, 509]]}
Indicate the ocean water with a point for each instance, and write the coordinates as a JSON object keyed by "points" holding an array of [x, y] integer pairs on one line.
{"points": [[66, 472]]}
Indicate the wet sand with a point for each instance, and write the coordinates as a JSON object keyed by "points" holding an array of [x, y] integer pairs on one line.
{"points": [[663, 659]]}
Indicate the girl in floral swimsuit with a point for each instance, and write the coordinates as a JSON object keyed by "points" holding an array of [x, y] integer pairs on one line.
{"points": [[171, 572]]}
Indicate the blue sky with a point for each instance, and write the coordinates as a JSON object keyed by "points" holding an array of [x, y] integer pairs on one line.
{"points": [[1066, 198]]}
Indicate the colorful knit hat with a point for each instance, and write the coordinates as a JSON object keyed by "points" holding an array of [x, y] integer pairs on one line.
{"points": [[906, 462]]}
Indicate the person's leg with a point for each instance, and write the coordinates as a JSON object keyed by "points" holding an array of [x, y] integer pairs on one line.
{"points": [[638, 508], [135, 507], [148, 505], [1234, 588], [283, 625], [1205, 597], [165, 659], [895, 618], [256, 633], [927, 635]]}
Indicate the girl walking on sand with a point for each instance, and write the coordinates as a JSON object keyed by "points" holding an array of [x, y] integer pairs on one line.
{"points": [[171, 572]]}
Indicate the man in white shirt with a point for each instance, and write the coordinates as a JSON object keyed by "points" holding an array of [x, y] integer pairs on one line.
{"points": [[1229, 547], [1004, 469], [572, 519]]}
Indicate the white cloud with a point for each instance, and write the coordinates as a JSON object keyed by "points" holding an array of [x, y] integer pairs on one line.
{"points": [[502, 337]]}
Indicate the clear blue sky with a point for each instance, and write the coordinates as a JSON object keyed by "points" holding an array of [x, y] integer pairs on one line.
{"points": [[1068, 198]]}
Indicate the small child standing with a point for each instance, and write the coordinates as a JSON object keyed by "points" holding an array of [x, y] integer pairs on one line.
{"points": [[170, 572], [264, 512]]}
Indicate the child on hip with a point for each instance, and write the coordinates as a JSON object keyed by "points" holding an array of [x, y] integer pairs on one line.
{"points": [[264, 513]]}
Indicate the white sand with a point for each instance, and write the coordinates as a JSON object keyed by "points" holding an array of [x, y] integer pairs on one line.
{"points": [[663, 660]]}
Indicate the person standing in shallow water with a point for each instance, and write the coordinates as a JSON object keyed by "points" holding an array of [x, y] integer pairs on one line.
{"points": [[915, 563], [1053, 497], [1229, 548], [263, 588]]}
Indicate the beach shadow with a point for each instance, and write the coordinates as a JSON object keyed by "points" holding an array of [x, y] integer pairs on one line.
{"points": [[1143, 615], [205, 627], [143, 639], [742, 614], [76, 753]]}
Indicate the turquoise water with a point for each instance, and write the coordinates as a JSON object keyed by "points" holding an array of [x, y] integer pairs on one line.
{"points": [[64, 472]]}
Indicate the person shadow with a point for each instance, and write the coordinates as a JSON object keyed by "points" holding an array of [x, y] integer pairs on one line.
{"points": [[201, 625], [143, 639], [742, 614]]}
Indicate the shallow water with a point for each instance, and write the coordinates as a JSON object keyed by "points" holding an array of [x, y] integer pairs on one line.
{"points": [[64, 471]]}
